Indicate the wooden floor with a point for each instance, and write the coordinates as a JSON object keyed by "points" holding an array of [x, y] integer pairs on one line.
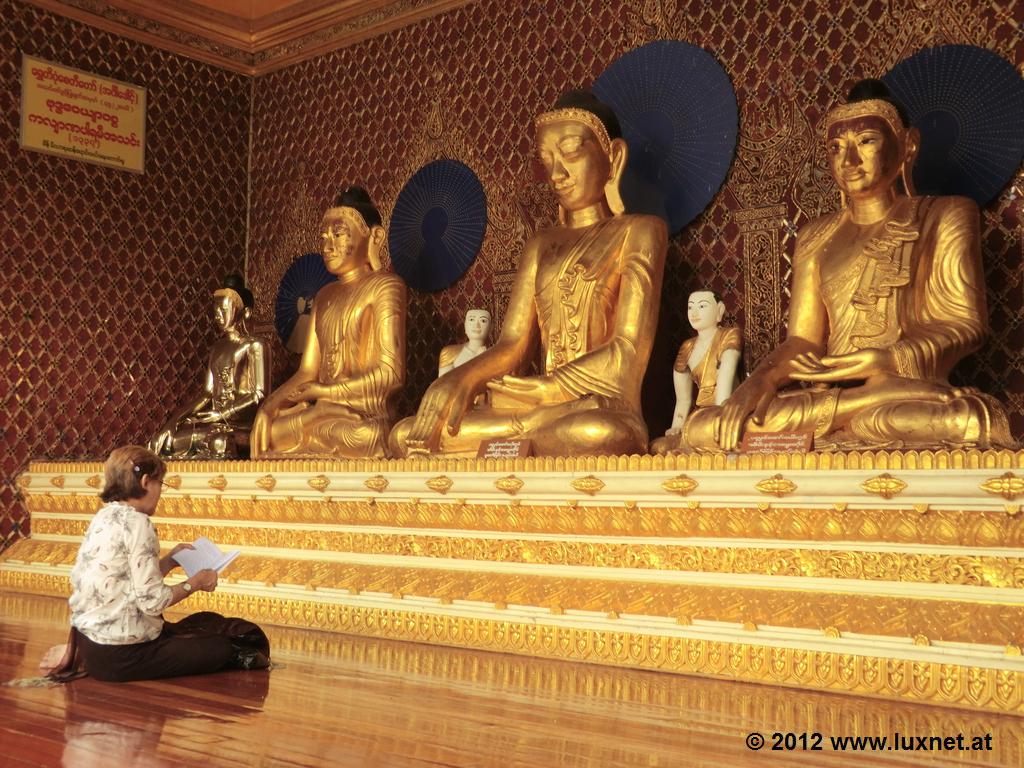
{"points": [[346, 701]]}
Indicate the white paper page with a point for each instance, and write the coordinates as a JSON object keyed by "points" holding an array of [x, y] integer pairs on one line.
{"points": [[205, 555]]}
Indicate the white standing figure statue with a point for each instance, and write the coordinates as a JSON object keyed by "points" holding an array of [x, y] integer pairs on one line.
{"points": [[478, 326]]}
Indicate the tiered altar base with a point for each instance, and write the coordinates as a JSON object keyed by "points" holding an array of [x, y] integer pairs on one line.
{"points": [[879, 574]]}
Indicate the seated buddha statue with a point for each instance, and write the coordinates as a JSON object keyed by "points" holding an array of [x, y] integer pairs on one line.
{"points": [[888, 295], [710, 360], [339, 402], [477, 325], [587, 291], [216, 423]]}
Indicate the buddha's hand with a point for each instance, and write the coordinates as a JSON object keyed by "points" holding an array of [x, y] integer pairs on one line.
{"points": [[532, 390], [443, 406], [862, 364], [309, 391], [751, 398], [259, 438]]}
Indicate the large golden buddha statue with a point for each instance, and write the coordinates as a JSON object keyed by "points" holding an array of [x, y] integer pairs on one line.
{"points": [[888, 295], [339, 402], [216, 422], [587, 290]]}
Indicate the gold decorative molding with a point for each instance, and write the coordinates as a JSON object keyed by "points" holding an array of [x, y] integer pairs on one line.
{"points": [[885, 485], [510, 484], [991, 690], [680, 484], [1007, 485], [24, 480], [776, 485], [865, 461], [890, 566], [268, 483], [94, 481], [173, 481], [897, 617], [589, 485], [218, 483], [319, 483], [968, 528], [440, 484], [377, 483], [57, 481]]}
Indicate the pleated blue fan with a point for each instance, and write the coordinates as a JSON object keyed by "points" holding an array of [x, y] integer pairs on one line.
{"points": [[438, 225], [295, 294], [679, 117], [969, 105]]}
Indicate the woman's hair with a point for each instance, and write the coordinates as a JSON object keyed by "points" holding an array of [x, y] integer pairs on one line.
{"points": [[123, 471]]}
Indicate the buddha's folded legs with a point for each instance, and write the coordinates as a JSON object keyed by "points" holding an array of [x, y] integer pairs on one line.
{"points": [[581, 427], [328, 429], [908, 415]]}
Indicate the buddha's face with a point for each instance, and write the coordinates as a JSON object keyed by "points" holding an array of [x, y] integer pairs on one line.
{"points": [[344, 246], [225, 312], [864, 155], [703, 311], [577, 167], [478, 323]]}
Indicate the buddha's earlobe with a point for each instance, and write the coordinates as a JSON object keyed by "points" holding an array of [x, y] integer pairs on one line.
{"points": [[375, 246], [912, 144], [618, 158]]}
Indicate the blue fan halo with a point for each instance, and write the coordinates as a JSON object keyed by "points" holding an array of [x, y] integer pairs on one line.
{"points": [[968, 103], [300, 284], [680, 119], [438, 225]]}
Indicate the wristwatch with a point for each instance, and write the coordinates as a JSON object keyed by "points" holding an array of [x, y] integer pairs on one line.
{"points": [[187, 586]]}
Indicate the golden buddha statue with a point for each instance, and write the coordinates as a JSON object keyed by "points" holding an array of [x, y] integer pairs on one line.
{"points": [[710, 360], [888, 295], [216, 423], [477, 326], [339, 402], [587, 290]]}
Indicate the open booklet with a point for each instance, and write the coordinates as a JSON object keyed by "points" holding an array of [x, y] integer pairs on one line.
{"points": [[205, 555]]}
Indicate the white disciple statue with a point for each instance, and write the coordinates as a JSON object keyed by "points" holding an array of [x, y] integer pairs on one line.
{"points": [[478, 325], [710, 360]]}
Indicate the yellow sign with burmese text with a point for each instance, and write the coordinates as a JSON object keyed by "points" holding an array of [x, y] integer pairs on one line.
{"points": [[74, 114]]}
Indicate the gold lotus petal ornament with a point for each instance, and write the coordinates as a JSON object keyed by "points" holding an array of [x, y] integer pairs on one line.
{"points": [[589, 485], [510, 485], [94, 481], [57, 482], [218, 483], [441, 484], [1008, 485], [268, 483], [680, 484], [377, 483], [174, 481], [319, 483], [885, 485], [776, 485]]}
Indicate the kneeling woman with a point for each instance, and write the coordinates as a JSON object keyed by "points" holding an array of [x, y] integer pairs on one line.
{"points": [[118, 591]]}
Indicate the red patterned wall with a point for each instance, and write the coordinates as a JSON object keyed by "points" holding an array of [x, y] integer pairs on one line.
{"points": [[466, 85], [107, 274]]}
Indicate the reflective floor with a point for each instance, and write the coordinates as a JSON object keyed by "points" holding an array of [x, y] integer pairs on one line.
{"points": [[336, 700]]}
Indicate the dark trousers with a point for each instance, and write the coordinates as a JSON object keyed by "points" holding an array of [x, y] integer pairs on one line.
{"points": [[201, 643]]}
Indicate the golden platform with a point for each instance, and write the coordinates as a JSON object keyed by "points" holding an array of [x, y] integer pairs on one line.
{"points": [[878, 574]]}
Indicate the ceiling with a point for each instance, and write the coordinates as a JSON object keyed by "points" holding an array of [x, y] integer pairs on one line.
{"points": [[250, 36]]}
